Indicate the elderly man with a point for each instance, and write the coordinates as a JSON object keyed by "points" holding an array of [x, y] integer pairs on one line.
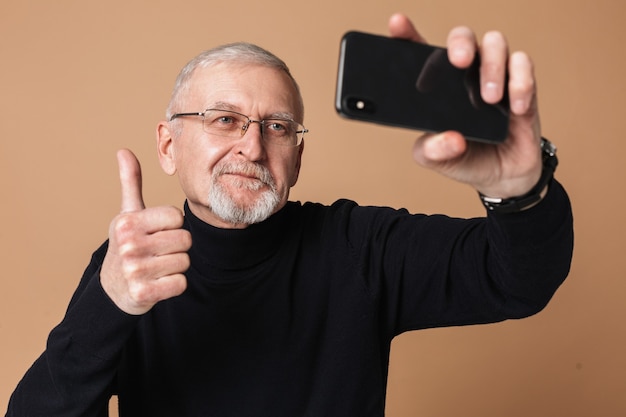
{"points": [[247, 304]]}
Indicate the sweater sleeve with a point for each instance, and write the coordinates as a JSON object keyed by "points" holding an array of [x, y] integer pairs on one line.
{"points": [[74, 376], [428, 271]]}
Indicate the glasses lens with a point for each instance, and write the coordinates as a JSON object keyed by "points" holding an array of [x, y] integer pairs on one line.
{"points": [[283, 132], [224, 123]]}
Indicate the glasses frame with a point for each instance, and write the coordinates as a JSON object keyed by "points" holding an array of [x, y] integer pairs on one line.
{"points": [[299, 133]]}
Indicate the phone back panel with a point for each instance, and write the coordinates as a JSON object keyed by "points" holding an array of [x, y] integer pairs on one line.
{"points": [[407, 84]]}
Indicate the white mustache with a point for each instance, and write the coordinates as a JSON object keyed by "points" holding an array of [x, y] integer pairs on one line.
{"points": [[248, 169]]}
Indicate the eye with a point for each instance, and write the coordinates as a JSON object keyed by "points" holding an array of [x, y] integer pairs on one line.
{"points": [[224, 119], [278, 127]]}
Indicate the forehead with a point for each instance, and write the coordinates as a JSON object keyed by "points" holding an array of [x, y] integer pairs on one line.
{"points": [[246, 87]]}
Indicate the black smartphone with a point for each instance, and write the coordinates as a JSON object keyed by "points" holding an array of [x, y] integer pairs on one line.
{"points": [[407, 84]]}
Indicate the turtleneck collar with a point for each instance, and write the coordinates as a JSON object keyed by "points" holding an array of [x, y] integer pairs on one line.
{"points": [[233, 249]]}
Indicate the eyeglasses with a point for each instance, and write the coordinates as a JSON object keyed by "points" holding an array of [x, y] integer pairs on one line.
{"points": [[230, 124]]}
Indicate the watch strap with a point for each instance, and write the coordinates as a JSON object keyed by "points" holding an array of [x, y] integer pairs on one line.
{"points": [[516, 204]]}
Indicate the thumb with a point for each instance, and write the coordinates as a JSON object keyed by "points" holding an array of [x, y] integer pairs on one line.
{"points": [[435, 150], [130, 179]]}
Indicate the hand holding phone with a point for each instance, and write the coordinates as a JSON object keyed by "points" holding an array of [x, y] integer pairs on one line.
{"points": [[412, 85], [494, 171]]}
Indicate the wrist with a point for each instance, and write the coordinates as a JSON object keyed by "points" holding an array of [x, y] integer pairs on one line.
{"points": [[536, 194]]}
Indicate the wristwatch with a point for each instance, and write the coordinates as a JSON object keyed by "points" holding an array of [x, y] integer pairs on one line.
{"points": [[515, 204]]}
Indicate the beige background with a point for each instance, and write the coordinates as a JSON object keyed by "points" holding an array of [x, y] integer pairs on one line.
{"points": [[79, 79]]}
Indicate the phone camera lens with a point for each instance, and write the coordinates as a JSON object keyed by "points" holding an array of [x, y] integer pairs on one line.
{"points": [[361, 105]]}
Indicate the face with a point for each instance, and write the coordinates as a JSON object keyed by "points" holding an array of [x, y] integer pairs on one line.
{"points": [[228, 182]]}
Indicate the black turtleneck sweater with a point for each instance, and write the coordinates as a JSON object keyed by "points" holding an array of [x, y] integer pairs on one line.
{"points": [[294, 316]]}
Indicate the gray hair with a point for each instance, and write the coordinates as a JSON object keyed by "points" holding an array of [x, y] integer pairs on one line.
{"points": [[239, 52]]}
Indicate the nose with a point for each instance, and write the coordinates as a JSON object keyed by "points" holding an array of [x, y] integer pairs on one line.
{"points": [[251, 143], [246, 126]]}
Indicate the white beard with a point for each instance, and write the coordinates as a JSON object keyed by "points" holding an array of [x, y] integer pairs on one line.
{"points": [[226, 208]]}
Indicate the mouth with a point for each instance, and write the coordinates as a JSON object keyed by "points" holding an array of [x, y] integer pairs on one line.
{"points": [[247, 176], [244, 181]]}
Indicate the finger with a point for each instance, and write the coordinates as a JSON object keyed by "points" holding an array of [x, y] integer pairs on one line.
{"points": [[461, 45], [157, 219], [148, 270], [493, 66], [130, 179], [151, 232], [170, 286], [170, 242], [173, 264], [143, 295], [401, 27], [436, 150], [522, 85]]}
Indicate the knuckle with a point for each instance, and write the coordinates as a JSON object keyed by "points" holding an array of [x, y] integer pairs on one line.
{"points": [[140, 294], [522, 86], [492, 67], [133, 272], [124, 224], [127, 248], [521, 80]]}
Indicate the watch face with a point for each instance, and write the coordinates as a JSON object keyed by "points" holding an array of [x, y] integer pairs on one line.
{"points": [[548, 147]]}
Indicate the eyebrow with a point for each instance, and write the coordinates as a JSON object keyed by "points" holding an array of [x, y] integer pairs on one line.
{"points": [[222, 105]]}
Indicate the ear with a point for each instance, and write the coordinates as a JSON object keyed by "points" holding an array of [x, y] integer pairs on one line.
{"points": [[165, 148], [296, 174]]}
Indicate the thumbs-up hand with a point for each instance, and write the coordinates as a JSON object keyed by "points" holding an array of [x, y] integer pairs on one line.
{"points": [[147, 253]]}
